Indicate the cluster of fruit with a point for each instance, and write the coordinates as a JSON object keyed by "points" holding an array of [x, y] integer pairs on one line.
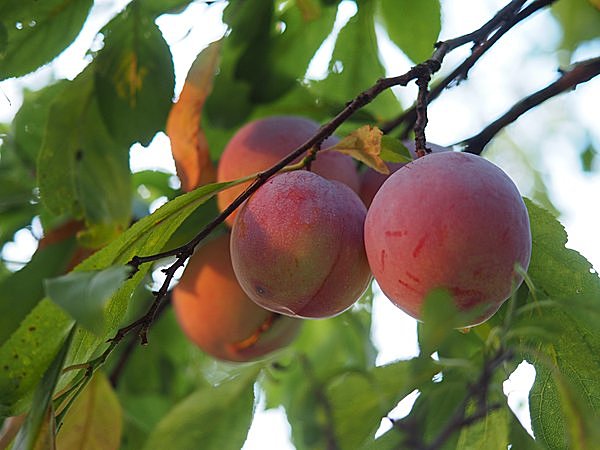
{"points": [[304, 245]]}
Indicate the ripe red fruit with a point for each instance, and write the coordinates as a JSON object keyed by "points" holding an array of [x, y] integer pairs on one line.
{"points": [[297, 246], [261, 143], [218, 316], [448, 220]]}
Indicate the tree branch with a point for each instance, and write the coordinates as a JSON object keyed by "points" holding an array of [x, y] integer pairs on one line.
{"points": [[502, 22], [578, 73]]}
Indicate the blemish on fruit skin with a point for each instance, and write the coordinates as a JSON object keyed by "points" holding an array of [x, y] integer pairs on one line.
{"points": [[260, 290], [397, 233], [382, 261], [408, 286], [413, 277], [419, 247]]}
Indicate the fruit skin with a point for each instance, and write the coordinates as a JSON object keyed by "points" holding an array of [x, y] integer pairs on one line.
{"points": [[297, 246], [371, 180], [260, 144], [215, 313], [448, 220]]}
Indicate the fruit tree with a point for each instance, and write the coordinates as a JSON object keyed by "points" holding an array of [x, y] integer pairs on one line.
{"points": [[342, 218]]}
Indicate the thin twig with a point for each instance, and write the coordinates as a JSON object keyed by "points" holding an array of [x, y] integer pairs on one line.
{"points": [[578, 73], [483, 43]]}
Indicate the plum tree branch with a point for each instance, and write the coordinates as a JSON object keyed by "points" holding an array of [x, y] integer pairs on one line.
{"points": [[478, 392], [483, 39], [578, 73]]}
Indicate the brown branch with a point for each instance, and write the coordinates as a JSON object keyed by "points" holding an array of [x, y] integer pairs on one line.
{"points": [[478, 392], [500, 24], [130, 347], [578, 73]]}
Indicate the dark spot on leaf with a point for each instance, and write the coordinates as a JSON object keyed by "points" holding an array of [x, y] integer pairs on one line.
{"points": [[79, 155], [31, 328]]}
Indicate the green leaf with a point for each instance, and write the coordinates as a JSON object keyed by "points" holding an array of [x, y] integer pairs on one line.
{"points": [[360, 401], [355, 65], [147, 236], [412, 26], [440, 318], [554, 269], [28, 352], [323, 350], [80, 168], [37, 339], [35, 32], [566, 363], [158, 7], [28, 435], [519, 437], [587, 157], [95, 420], [29, 122], [488, 433], [394, 151], [580, 22], [217, 418], [23, 290], [134, 77], [84, 295]]}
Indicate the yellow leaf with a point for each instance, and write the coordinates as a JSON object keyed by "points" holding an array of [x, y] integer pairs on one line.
{"points": [[188, 142], [95, 420], [364, 145]]}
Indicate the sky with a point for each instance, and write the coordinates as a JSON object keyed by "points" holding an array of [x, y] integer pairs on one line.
{"points": [[494, 79]]}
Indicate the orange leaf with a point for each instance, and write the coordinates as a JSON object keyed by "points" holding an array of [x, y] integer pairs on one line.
{"points": [[364, 144], [188, 142]]}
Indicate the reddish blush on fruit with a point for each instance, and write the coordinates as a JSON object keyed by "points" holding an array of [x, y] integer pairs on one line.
{"points": [[453, 221], [297, 246], [260, 144], [216, 314]]}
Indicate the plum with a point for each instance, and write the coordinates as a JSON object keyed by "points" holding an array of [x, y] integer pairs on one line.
{"points": [[453, 221], [297, 246], [261, 143], [216, 314]]}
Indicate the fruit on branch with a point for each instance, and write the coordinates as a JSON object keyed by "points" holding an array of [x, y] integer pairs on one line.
{"points": [[260, 144], [216, 314], [371, 180], [297, 246], [448, 220]]}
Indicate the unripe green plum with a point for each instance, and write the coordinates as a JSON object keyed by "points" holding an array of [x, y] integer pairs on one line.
{"points": [[216, 314], [371, 180], [260, 144], [453, 221], [297, 246]]}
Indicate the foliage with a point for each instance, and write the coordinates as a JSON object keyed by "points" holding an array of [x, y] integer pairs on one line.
{"points": [[65, 156]]}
